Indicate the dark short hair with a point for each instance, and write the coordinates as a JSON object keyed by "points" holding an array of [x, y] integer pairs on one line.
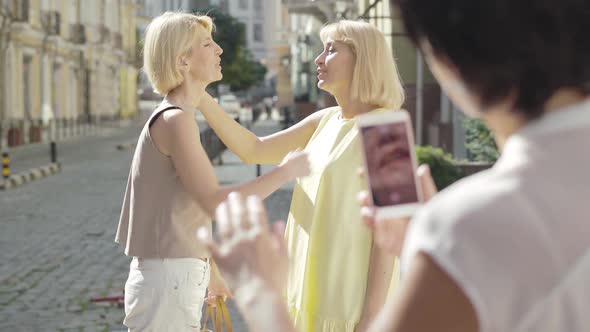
{"points": [[531, 48]]}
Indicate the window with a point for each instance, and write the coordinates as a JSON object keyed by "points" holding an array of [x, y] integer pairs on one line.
{"points": [[258, 4], [258, 37], [243, 4]]}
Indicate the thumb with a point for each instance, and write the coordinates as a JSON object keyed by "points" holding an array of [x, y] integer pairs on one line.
{"points": [[426, 182], [278, 234]]}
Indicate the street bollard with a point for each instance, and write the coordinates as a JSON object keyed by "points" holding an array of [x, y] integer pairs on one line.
{"points": [[257, 170], [53, 152], [5, 165]]}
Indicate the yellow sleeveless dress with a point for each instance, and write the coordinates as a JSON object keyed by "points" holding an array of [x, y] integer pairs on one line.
{"points": [[328, 244]]}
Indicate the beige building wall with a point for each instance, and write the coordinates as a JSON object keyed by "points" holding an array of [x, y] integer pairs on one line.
{"points": [[109, 58]]}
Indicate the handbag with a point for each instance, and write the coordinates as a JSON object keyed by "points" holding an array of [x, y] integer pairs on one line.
{"points": [[218, 315]]}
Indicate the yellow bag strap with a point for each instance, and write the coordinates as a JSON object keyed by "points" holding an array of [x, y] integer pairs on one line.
{"points": [[219, 316], [208, 315]]}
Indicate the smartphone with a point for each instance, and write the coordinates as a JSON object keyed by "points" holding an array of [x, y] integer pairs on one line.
{"points": [[390, 162]]}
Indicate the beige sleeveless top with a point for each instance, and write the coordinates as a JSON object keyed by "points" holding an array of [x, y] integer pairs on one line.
{"points": [[159, 219]]}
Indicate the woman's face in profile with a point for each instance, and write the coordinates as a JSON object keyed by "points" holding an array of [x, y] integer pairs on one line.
{"points": [[205, 60], [334, 67]]}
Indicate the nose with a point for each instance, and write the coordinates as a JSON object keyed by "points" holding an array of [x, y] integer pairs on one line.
{"points": [[319, 60], [219, 50]]}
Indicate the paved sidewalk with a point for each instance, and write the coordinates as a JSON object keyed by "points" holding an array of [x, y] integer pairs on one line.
{"points": [[56, 243], [29, 156]]}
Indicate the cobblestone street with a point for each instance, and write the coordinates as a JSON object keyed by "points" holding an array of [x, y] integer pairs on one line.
{"points": [[56, 243]]}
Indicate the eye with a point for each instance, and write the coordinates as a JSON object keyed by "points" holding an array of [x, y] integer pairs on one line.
{"points": [[331, 50]]}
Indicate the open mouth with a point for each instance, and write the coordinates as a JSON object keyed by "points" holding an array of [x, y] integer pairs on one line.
{"points": [[399, 156]]}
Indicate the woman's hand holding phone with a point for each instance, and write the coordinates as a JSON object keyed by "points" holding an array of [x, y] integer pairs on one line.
{"points": [[389, 233]]}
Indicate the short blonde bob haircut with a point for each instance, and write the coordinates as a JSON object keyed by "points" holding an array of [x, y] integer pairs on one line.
{"points": [[167, 37], [375, 79]]}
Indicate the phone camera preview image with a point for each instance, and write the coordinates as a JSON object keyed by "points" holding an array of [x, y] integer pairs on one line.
{"points": [[389, 164]]}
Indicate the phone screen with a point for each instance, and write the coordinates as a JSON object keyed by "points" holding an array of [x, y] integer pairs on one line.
{"points": [[389, 164]]}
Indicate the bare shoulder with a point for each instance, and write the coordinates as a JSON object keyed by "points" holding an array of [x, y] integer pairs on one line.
{"points": [[317, 116], [173, 125], [178, 121]]}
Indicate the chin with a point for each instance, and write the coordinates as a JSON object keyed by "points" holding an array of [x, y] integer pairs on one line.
{"points": [[322, 86]]}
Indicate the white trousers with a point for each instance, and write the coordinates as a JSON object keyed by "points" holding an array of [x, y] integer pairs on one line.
{"points": [[165, 294]]}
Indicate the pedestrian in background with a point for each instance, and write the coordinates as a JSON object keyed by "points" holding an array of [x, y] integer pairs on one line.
{"points": [[172, 188], [337, 279]]}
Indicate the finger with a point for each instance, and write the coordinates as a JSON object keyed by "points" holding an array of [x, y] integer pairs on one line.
{"points": [[211, 300], [426, 182], [278, 230], [368, 216], [256, 212], [204, 236], [224, 227], [364, 198], [279, 227], [360, 172], [237, 212]]}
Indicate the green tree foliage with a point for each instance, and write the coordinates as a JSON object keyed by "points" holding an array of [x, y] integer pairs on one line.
{"points": [[442, 165], [240, 70], [481, 145]]}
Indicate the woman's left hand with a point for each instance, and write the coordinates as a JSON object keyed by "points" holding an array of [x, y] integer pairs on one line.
{"points": [[217, 287]]}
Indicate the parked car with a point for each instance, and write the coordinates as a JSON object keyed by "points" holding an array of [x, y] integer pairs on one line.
{"points": [[231, 105]]}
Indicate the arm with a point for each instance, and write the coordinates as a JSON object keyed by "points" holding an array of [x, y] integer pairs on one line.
{"points": [[263, 308], [250, 148], [254, 260], [429, 301], [380, 272], [176, 134]]}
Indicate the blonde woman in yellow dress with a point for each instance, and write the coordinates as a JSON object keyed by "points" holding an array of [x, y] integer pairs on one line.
{"points": [[337, 279]]}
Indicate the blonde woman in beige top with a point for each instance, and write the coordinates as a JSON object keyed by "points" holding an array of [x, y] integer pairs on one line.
{"points": [[172, 188]]}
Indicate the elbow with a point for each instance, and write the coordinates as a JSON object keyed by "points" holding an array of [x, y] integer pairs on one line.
{"points": [[251, 156]]}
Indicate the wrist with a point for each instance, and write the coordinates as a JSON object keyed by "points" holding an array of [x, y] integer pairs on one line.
{"points": [[247, 292], [284, 172]]}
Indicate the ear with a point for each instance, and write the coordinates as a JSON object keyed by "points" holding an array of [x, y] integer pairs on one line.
{"points": [[182, 64]]}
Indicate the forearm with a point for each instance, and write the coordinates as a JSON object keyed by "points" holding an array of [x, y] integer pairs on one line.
{"points": [[261, 186], [379, 279], [238, 139], [263, 308]]}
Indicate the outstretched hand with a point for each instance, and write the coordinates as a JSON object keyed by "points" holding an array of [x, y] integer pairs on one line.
{"points": [[247, 250]]}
